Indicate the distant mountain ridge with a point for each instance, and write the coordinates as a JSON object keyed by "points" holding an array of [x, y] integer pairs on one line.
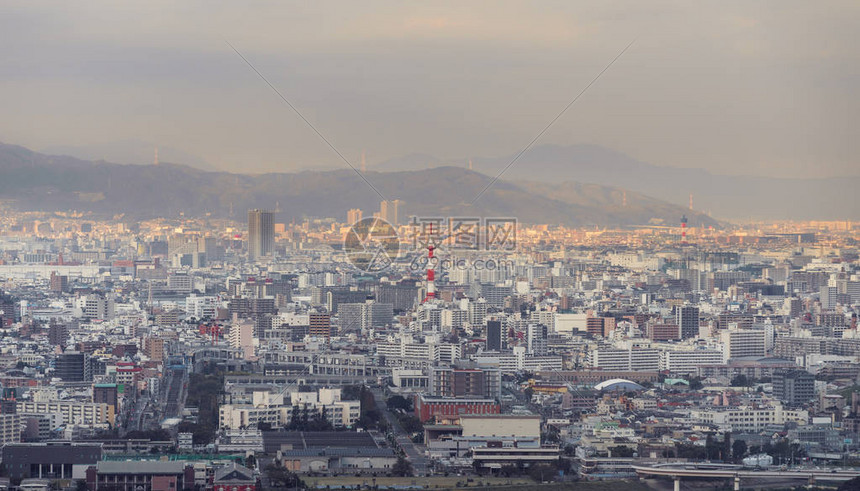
{"points": [[725, 196], [129, 152], [35, 181]]}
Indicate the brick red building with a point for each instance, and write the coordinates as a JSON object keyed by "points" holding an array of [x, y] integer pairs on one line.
{"points": [[427, 408], [234, 477]]}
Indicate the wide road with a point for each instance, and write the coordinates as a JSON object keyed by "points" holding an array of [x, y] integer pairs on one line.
{"points": [[413, 452], [738, 473], [176, 392]]}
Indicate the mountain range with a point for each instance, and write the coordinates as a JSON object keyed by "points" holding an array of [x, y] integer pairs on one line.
{"points": [[36, 181], [724, 196]]}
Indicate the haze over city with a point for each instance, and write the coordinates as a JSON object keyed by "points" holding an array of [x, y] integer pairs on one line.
{"points": [[738, 88], [436, 246]]}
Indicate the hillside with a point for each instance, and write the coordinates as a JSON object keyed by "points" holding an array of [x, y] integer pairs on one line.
{"points": [[36, 181], [730, 197]]}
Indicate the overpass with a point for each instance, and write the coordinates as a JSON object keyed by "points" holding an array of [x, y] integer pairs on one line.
{"points": [[736, 472]]}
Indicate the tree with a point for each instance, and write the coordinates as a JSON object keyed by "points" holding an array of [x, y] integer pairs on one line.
{"points": [[696, 383], [726, 450], [352, 392], [398, 402], [692, 452], [740, 380], [411, 424], [524, 377], [542, 472], [280, 476], [851, 485], [551, 435], [739, 449], [251, 461], [621, 451], [402, 468], [529, 392]]}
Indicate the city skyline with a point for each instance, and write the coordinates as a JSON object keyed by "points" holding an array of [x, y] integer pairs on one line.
{"points": [[729, 87], [375, 244]]}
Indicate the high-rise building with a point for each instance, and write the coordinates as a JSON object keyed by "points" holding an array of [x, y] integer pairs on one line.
{"points": [[59, 283], [242, 337], [494, 335], [659, 331], [7, 309], [793, 387], [743, 342], [73, 366], [58, 334], [261, 234], [97, 306], [470, 381], [687, 318], [402, 296], [353, 216], [827, 295], [536, 339], [600, 326], [153, 347], [476, 311], [389, 211], [107, 394], [319, 325]]}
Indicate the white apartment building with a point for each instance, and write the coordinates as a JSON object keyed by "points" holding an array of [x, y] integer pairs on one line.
{"points": [[406, 347], [10, 428], [639, 359], [201, 306], [277, 411], [743, 342], [95, 307], [518, 360], [687, 361], [749, 418], [74, 413]]}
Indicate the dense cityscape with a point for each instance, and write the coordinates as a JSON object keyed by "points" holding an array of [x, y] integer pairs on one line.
{"points": [[425, 246], [226, 354]]}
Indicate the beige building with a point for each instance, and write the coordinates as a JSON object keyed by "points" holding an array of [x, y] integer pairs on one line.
{"points": [[500, 425], [73, 413]]}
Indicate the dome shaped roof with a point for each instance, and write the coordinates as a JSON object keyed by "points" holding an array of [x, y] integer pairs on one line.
{"points": [[618, 384]]}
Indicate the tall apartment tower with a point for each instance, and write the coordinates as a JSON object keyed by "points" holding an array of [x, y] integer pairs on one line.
{"points": [[353, 216], [261, 234], [687, 318], [494, 335], [73, 366], [794, 387], [319, 325], [389, 211], [536, 339]]}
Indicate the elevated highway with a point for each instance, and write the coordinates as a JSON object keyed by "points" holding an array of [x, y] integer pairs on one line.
{"points": [[677, 471]]}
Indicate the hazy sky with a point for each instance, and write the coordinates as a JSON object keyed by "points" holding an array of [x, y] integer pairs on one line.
{"points": [[735, 87]]}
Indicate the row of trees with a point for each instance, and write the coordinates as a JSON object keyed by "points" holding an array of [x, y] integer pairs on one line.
{"points": [[735, 450], [203, 392]]}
